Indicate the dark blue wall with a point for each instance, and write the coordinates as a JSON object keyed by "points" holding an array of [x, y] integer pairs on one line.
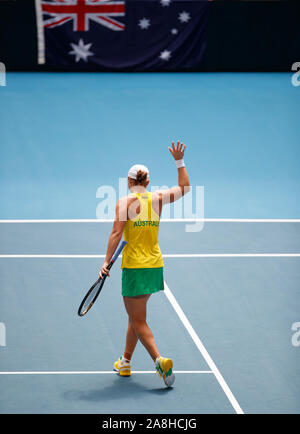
{"points": [[242, 35]]}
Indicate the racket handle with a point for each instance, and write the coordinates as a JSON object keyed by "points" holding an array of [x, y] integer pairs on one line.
{"points": [[119, 250]]}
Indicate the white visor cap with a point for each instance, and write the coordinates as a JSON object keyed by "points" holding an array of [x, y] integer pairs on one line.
{"points": [[135, 169]]}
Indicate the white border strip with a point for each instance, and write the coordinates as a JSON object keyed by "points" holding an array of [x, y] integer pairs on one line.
{"points": [[40, 33], [90, 372], [187, 220], [192, 255], [232, 255], [55, 256], [202, 350]]}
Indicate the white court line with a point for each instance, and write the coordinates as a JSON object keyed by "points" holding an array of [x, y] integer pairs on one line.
{"points": [[230, 255], [91, 372], [202, 350], [175, 220], [180, 255]]}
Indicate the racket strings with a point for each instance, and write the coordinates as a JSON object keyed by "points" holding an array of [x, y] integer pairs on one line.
{"points": [[90, 297]]}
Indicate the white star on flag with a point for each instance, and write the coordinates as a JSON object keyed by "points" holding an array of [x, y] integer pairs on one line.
{"points": [[184, 17], [174, 31], [81, 51], [165, 55], [144, 23], [165, 2]]}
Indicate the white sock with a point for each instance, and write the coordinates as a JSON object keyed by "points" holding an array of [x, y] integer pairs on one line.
{"points": [[156, 360], [124, 360]]}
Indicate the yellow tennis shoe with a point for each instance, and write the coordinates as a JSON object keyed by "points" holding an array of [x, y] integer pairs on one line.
{"points": [[123, 367], [164, 368]]}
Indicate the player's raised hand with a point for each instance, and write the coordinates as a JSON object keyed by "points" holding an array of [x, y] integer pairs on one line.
{"points": [[178, 151]]}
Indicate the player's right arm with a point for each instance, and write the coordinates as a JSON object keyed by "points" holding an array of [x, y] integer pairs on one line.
{"points": [[175, 193]]}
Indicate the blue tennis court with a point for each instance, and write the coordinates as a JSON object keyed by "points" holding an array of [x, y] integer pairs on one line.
{"points": [[231, 289]]}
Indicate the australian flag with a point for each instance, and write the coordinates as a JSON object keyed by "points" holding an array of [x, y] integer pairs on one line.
{"points": [[122, 35]]}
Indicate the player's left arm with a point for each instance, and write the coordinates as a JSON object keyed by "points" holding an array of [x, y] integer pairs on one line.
{"points": [[115, 236]]}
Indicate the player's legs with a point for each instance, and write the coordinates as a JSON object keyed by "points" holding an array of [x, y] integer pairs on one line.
{"points": [[136, 310]]}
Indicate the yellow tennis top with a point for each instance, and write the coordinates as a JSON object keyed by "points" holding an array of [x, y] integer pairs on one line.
{"points": [[141, 233]]}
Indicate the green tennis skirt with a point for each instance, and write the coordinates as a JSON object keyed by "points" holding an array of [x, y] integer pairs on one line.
{"points": [[140, 281]]}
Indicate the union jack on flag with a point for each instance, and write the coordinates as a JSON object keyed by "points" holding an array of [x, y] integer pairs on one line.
{"points": [[81, 12]]}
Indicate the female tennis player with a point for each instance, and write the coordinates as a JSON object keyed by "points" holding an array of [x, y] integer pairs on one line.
{"points": [[137, 219]]}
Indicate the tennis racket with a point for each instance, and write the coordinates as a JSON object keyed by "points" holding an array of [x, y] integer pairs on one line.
{"points": [[92, 294]]}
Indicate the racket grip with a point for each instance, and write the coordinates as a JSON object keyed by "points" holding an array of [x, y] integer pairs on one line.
{"points": [[119, 250]]}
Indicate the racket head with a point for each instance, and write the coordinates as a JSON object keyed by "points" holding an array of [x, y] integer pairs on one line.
{"points": [[91, 296]]}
